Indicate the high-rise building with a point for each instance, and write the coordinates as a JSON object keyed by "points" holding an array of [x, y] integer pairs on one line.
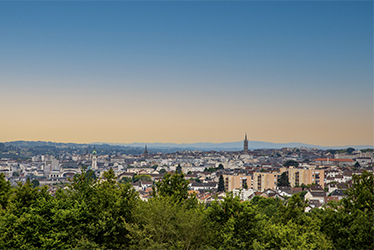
{"points": [[245, 149]]}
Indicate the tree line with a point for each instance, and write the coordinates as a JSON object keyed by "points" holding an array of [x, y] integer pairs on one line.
{"points": [[102, 213]]}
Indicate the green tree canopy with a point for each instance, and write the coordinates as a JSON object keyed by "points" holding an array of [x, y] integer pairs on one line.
{"points": [[173, 185], [291, 163], [283, 180], [5, 191], [350, 150], [221, 184], [163, 223], [91, 213], [142, 177], [350, 223], [126, 179], [35, 183], [179, 169]]}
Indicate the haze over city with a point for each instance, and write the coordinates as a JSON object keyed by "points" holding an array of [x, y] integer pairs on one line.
{"points": [[184, 72]]}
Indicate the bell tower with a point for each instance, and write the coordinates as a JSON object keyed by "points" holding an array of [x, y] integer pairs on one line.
{"points": [[145, 152], [245, 149]]}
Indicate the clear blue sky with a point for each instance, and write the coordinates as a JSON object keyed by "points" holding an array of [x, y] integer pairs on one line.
{"points": [[187, 71]]}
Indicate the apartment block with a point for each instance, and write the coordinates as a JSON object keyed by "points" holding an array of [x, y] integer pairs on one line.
{"points": [[233, 182], [264, 180], [258, 181], [297, 176]]}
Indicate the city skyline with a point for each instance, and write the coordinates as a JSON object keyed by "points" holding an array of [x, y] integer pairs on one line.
{"points": [[187, 72]]}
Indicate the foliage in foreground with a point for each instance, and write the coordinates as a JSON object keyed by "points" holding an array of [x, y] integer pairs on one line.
{"points": [[104, 214]]}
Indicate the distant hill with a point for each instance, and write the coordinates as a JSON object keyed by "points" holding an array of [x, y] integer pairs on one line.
{"points": [[235, 146], [138, 147]]}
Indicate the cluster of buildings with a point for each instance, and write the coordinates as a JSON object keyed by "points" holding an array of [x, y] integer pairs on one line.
{"points": [[319, 174]]}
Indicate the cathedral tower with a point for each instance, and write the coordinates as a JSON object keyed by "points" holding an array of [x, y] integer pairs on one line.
{"points": [[145, 152], [245, 149]]}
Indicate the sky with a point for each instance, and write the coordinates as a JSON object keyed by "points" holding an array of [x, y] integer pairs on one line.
{"points": [[187, 71]]}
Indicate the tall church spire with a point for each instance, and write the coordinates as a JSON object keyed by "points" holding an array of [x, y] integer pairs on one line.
{"points": [[145, 152], [245, 149]]}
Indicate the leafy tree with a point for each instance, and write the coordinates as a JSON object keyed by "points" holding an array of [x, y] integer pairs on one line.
{"points": [[179, 169], [221, 184], [291, 236], [15, 174], [350, 150], [20, 218], [111, 204], [135, 178], [357, 165], [142, 177], [87, 214], [350, 223], [367, 150], [291, 163], [361, 194], [266, 206], [126, 179], [162, 171], [163, 223], [303, 186], [331, 151], [189, 172], [210, 170], [245, 185], [35, 183], [25, 195], [232, 224], [90, 174], [5, 191], [303, 193], [95, 214], [220, 166], [173, 185], [294, 210], [283, 180]]}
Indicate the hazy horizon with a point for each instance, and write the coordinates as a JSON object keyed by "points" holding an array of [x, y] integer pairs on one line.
{"points": [[206, 145], [185, 72]]}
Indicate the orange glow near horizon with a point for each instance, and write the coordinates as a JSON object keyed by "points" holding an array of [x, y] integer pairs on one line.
{"points": [[87, 121]]}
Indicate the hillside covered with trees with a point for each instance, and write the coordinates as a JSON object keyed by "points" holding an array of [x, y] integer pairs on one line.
{"points": [[104, 214]]}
